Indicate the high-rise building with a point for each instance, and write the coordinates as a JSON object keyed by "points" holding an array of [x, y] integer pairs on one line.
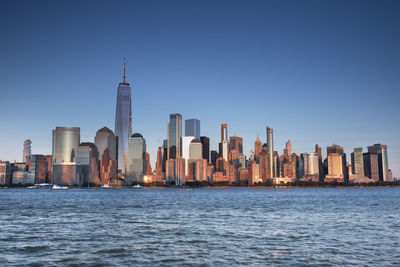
{"points": [[175, 171], [65, 144], [335, 166], [197, 170], [254, 173], [123, 120], [27, 151], [214, 157], [186, 140], [270, 151], [339, 150], [65, 148], [88, 163], [224, 145], [264, 167], [205, 143], [287, 152], [5, 173], [106, 139], [318, 150], [39, 168], [174, 136], [257, 147], [192, 128], [357, 161], [165, 153], [159, 163], [135, 159], [236, 143], [106, 143], [381, 151], [195, 149], [371, 166], [311, 165]]}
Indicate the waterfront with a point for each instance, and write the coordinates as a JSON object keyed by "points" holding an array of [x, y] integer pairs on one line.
{"points": [[226, 226]]}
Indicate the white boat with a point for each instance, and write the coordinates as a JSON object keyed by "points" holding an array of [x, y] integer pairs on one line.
{"points": [[31, 187], [137, 186], [59, 187], [106, 186]]}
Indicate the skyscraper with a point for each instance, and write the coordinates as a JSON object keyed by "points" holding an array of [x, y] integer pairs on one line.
{"points": [[174, 136], [27, 151], [257, 147], [381, 151], [88, 160], [135, 159], [311, 165], [185, 144], [65, 148], [195, 149], [106, 143], [224, 145], [123, 120], [236, 142], [205, 142], [270, 150], [357, 161], [192, 128]]}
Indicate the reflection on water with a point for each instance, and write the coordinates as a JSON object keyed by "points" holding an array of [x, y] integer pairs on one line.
{"points": [[354, 226]]}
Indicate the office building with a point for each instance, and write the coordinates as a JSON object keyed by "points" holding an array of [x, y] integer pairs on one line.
{"points": [[106, 143], [88, 163], [135, 159], [381, 151], [185, 143], [5, 173], [311, 165], [236, 143], [270, 151], [123, 120], [357, 161], [175, 171], [205, 143], [195, 149], [174, 136], [27, 151], [39, 169], [192, 128], [65, 148]]}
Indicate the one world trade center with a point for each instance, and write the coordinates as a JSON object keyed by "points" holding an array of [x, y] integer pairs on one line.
{"points": [[123, 120]]}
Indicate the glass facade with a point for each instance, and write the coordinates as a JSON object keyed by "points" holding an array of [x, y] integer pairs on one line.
{"points": [[135, 159], [192, 128], [123, 121], [174, 135], [65, 144]]}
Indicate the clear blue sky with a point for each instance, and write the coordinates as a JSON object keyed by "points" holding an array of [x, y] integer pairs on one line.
{"points": [[315, 71]]}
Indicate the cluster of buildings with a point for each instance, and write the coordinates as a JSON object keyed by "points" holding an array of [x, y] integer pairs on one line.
{"points": [[120, 158]]}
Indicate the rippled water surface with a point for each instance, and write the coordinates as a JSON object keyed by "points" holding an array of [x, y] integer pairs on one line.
{"points": [[280, 227]]}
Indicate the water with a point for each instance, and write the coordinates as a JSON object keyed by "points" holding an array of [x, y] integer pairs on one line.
{"points": [[279, 227]]}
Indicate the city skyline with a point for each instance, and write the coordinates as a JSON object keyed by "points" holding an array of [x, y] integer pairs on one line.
{"points": [[248, 86]]}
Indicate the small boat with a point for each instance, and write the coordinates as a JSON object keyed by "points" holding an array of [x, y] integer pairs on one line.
{"points": [[31, 187], [137, 186], [59, 187], [106, 186]]}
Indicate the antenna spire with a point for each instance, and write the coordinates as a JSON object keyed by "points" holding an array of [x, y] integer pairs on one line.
{"points": [[124, 68]]}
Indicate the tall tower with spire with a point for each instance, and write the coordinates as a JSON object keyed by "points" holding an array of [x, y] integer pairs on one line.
{"points": [[123, 120]]}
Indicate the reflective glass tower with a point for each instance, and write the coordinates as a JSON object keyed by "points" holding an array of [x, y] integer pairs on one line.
{"points": [[123, 120], [192, 128], [174, 136]]}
